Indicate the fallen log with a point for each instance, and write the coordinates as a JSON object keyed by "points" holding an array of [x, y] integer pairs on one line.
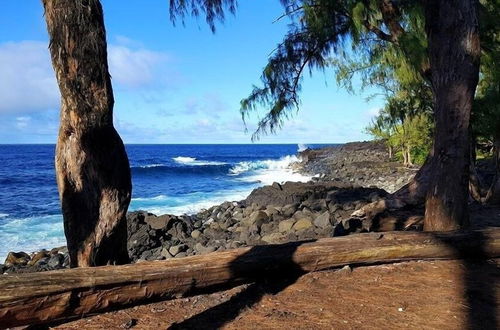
{"points": [[37, 298]]}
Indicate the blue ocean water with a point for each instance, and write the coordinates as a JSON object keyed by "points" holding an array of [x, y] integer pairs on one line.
{"points": [[172, 179]]}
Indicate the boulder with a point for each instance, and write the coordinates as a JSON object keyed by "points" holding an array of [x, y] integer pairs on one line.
{"points": [[288, 193], [323, 221], [334, 207], [273, 238], [56, 261], [61, 249], [140, 241], [256, 218], [271, 211], [251, 237], [201, 249], [286, 225], [215, 226], [316, 204], [304, 214], [195, 234], [37, 256], [176, 249], [16, 259], [165, 254], [268, 227], [302, 224], [289, 210], [178, 230], [161, 222], [238, 215], [306, 234]]}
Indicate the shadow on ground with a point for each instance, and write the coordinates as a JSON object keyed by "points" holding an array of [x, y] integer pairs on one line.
{"points": [[272, 280], [478, 287]]}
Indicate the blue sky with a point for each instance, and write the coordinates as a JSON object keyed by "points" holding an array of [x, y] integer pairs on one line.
{"points": [[173, 84]]}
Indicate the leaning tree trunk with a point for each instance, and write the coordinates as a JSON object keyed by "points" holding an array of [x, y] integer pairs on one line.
{"points": [[454, 51], [93, 173]]}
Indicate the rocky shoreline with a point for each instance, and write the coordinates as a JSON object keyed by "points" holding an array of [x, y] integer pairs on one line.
{"points": [[345, 178]]}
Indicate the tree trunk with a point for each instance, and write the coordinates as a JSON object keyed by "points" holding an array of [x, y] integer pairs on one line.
{"points": [[408, 157], [93, 173], [493, 196], [405, 156], [454, 51], [411, 194], [64, 294]]}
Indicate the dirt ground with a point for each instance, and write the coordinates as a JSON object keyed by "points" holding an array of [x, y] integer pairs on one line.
{"points": [[410, 295]]}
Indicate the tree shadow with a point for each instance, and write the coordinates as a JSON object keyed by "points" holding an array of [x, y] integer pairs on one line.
{"points": [[277, 270], [479, 280]]}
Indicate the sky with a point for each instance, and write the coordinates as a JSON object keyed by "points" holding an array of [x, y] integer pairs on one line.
{"points": [[172, 84]]}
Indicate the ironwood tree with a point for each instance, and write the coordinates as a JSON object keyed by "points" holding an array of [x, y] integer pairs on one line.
{"points": [[450, 64], [92, 168]]}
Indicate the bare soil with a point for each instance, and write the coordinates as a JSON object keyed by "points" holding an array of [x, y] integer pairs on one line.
{"points": [[411, 295]]}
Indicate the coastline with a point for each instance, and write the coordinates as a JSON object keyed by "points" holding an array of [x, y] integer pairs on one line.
{"points": [[342, 178]]}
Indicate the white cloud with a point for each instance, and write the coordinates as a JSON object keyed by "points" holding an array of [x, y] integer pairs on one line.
{"points": [[372, 112], [28, 81], [22, 122], [133, 67]]}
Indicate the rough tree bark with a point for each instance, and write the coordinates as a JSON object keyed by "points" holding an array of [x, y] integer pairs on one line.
{"points": [[93, 173], [454, 52]]}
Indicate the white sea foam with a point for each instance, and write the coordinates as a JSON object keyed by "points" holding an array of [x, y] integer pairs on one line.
{"points": [[156, 198], [189, 203], [302, 147], [4, 215], [256, 173], [152, 165], [184, 160], [268, 171], [194, 162], [31, 234]]}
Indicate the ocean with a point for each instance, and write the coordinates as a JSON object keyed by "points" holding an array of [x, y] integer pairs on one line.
{"points": [[172, 179]]}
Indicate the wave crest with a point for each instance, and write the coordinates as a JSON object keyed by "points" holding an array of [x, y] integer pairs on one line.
{"points": [[194, 162], [302, 147], [268, 171]]}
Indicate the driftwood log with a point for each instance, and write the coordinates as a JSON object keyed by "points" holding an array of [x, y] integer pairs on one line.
{"points": [[61, 295]]}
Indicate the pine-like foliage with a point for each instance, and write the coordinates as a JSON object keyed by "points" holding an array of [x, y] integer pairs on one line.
{"points": [[213, 10], [486, 111], [373, 37]]}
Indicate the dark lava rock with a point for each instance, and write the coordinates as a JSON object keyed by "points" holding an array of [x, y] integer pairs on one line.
{"points": [[17, 259], [56, 261], [289, 193], [161, 222]]}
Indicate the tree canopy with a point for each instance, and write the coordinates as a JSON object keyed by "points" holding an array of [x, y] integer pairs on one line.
{"points": [[370, 37]]}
